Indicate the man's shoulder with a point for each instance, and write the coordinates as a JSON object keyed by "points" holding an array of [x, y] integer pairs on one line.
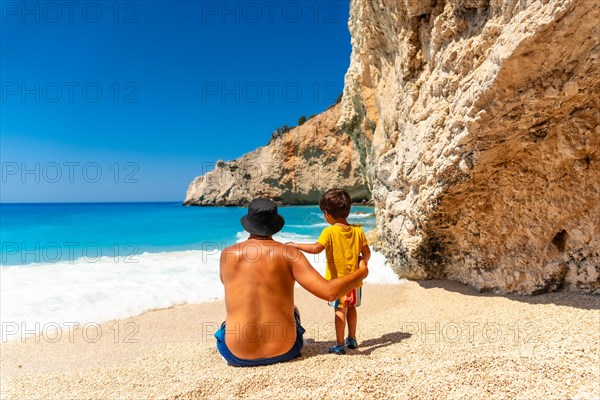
{"points": [[231, 253], [232, 248], [255, 250], [243, 245]]}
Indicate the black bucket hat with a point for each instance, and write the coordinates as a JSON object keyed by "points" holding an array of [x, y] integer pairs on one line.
{"points": [[262, 218]]}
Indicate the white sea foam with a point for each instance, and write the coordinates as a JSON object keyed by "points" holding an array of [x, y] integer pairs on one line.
{"points": [[360, 215], [82, 292], [36, 296], [379, 270]]}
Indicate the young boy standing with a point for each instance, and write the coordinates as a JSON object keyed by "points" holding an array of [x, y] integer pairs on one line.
{"points": [[345, 246]]}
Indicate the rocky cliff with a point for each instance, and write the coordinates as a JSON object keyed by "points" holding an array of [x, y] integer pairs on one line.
{"points": [[478, 121], [295, 168]]}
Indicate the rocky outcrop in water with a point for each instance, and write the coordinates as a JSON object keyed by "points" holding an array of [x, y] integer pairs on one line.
{"points": [[478, 121], [295, 168]]}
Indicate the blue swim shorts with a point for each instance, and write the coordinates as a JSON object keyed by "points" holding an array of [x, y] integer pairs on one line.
{"points": [[239, 362]]}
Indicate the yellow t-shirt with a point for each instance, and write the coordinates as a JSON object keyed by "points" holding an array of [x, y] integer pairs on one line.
{"points": [[342, 249]]}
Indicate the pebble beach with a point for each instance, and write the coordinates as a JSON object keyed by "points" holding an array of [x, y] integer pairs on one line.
{"points": [[418, 340]]}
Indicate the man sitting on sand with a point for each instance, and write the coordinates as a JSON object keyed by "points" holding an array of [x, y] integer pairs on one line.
{"points": [[262, 325]]}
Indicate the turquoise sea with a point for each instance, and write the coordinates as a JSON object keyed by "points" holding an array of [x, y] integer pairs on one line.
{"points": [[41, 233], [93, 262]]}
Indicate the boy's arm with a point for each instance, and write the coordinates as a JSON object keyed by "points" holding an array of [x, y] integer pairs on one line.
{"points": [[366, 253], [311, 280], [311, 248]]}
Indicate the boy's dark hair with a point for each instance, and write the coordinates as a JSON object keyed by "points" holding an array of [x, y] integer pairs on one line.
{"points": [[336, 202]]}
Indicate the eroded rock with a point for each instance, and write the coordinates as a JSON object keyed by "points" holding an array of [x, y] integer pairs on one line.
{"points": [[479, 124], [296, 168]]}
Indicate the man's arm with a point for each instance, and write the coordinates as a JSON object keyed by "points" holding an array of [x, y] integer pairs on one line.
{"points": [[311, 248], [311, 280]]}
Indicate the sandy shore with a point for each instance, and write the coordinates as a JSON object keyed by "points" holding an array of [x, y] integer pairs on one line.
{"points": [[434, 339]]}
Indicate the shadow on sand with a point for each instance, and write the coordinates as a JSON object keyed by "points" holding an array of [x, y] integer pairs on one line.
{"points": [[567, 299], [368, 346], [365, 348]]}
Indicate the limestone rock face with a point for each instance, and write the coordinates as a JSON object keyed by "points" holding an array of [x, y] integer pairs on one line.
{"points": [[479, 124], [295, 168]]}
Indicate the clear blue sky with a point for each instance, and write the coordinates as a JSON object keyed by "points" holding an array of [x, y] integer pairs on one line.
{"points": [[130, 100]]}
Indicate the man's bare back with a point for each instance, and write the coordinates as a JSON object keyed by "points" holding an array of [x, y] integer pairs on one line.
{"points": [[259, 296]]}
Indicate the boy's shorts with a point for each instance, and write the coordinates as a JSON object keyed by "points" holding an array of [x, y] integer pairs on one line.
{"points": [[350, 299]]}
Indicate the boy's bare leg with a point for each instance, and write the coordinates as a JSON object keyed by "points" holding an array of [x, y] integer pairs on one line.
{"points": [[340, 324], [352, 318]]}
